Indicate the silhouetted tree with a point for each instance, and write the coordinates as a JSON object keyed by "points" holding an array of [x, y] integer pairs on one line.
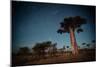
{"points": [[64, 48], [83, 43], [79, 30], [67, 46], [93, 41], [69, 25], [93, 44], [88, 45], [24, 51], [54, 49], [40, 48]]}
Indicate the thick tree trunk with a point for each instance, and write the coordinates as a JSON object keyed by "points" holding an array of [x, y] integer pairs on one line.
{"points": [[73, 41]]}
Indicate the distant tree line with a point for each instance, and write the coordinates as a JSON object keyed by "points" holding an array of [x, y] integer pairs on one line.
{"points": [[39, 49], [46, 49]]}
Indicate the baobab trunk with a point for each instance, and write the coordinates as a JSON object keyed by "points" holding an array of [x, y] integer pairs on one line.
{"points": [[73, 41]]}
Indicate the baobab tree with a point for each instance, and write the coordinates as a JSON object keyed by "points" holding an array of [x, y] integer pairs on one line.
{"points": [[69, 25]]}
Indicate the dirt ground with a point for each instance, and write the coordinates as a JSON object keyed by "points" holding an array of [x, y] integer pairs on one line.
{"points": [[83, 56]]}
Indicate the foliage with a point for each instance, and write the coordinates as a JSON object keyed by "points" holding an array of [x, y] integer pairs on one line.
{"points": [[24, 51], [73, 22], [40, 48]]}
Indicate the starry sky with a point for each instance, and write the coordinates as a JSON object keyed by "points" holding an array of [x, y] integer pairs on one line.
{"points": [[34, 22]]}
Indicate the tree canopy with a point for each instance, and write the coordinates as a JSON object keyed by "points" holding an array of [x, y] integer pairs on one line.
{"points": [[73, 22], [24, 50], [41, 46]]}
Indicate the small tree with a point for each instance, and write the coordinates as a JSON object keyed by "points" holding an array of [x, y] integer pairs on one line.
{"points": [[64, 47], [93, 44], [54, 48], [40, 48], [88, 45], [24, 51], [93, 41], [84, 45]]}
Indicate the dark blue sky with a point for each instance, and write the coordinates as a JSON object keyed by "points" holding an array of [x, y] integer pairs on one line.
{"points": [[38, 22]]}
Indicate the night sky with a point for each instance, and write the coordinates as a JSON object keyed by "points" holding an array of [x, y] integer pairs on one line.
{"points": [[37, 22]]}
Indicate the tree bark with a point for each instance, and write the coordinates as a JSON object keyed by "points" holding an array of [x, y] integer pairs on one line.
{"points": [[73, 41]]}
